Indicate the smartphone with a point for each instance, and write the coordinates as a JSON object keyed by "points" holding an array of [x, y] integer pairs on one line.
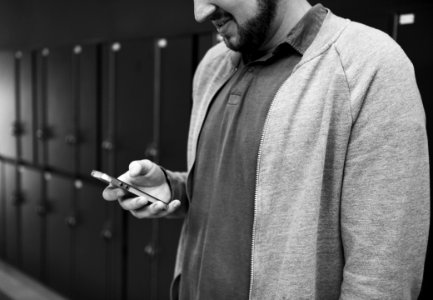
{"points": [[123, 185]]}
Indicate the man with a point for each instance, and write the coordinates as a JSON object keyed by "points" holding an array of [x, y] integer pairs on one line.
{"points": [[308, 173]]}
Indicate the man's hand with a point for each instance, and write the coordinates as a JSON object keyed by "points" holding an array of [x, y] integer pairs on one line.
{"points": [[149, 177]]}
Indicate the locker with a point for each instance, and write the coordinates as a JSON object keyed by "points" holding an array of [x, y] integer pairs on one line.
{"points": [[2, 212], [204, 42], [128, 131], [90, 260], [140, 256], [32, 223], [8, 145], [58, 247], [12, 214], [41, 130], [176, 88], [127, 104], [413, 30], [26, 87], [87, 109], [61, 78]]}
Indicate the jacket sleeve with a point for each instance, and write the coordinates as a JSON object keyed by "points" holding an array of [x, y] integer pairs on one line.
{"points": [[385, 208]]}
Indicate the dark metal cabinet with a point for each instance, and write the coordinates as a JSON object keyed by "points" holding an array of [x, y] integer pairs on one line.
{"points": [[93, 242], [41, 130], [129, 134], [141, 259], [86, 123], [2, 211], [26, 126], [413, 30], [12, 199], [8, 125], [66, 101], [61, 108], [128, 105], [32, 222], [58, 247]]}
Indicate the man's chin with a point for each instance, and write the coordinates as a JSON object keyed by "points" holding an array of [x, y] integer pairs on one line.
{"points": [[232, 44]]}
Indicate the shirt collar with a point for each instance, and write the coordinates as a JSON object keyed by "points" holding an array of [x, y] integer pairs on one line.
{"points": [[299, 38]]}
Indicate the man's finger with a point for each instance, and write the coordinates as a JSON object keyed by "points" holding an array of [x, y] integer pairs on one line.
{"points": [[141, 167], [172, 207], [112, 193], [135, 203], [155, 210]]}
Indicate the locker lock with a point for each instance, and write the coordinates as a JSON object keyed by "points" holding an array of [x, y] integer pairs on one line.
{"points": [[108, 145], [16, 129], [71, 221], [151, 250], [17, 198], [71, 139], [41, 210], [107, 234], [42, 134], [151, 152]]}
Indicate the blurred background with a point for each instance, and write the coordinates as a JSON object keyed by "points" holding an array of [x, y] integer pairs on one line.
{"points": [[95, 84]]}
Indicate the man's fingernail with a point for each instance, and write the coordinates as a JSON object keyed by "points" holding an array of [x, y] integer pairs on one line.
{"points": [[134, 169]]}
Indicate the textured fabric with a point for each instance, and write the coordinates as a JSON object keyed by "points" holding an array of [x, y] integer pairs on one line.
{"points": [[342, 194], [221, 210]]}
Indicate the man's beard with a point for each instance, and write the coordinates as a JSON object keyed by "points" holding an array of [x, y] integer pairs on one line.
{"points": [[254, 32]]}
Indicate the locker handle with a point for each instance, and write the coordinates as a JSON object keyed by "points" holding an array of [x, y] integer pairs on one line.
{"points": [[42, 134], [16, 129], [71, 221], [108, 145], [107, 234], [17, 199], [41, 210], [151, 152], [151, 250], [71, 139]]}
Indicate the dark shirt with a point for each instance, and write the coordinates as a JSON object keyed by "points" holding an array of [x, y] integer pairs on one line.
{"points": [[223, 180]]}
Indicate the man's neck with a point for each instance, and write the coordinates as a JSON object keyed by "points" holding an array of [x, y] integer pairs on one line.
{"points": [[289, 12]]}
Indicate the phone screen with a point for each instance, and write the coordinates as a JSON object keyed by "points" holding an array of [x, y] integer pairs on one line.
{"points": [[123, 185]]}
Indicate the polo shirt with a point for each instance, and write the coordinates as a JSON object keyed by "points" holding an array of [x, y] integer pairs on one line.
{"points": [[221, 187]]}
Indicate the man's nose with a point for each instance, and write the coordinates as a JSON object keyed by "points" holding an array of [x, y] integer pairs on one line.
{"points": [[203, 9]]}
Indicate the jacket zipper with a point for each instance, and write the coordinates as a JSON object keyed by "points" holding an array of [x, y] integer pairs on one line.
{"points": [[259, 156]]}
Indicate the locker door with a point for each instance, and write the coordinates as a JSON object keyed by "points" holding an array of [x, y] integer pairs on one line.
{"points": [[8, 145], [176, 86], [204, 42], [2, 211], [41, 131], [87, 114], [12, 214], [141, 253], [127, 103], [31, 221], [128, 113], [414, 32], [27, 109], [61, 111], [90, 248], [58, 234]]}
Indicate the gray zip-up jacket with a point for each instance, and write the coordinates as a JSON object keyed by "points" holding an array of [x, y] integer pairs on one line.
{"points": [[342, 190]]}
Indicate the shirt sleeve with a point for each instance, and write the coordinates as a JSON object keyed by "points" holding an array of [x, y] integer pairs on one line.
{"points": [[385, 205]]}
